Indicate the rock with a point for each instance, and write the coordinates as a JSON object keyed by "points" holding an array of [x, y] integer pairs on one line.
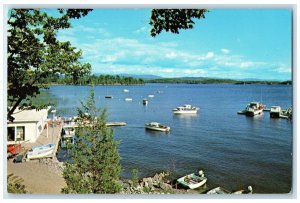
{"points": [[165, 186]]}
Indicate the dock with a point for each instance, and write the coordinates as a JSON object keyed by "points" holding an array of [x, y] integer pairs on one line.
{"points": [[50, 134], [112, 124]]}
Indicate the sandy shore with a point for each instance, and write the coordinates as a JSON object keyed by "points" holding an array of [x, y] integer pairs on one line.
{"points": [[39, 178]]}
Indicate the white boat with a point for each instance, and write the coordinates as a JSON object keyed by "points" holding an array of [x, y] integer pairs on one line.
{"points": [[249, 190], [126, 90], [128, 99], [157, 126], [151, 95], [40, 151], [145, 102], [193, 180], [68, 130], [275, 111], [218, 190], [254, 108], [186, 109]]}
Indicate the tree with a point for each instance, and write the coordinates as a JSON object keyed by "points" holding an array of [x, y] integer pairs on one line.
{"points": [[34, 53], [95, 166], [15, 185], [174, 19]]}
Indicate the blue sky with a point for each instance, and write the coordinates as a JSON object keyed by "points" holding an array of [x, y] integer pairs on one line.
{"points": [[228, 43]]}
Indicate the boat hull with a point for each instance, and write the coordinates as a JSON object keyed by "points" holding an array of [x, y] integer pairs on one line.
{"points": [[185, 112], [158, 129], [41, 151], [254, 113]]}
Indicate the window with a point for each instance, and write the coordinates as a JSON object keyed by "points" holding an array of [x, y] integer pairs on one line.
{"points": [[10, 133], [16, 133], [20, 133]]}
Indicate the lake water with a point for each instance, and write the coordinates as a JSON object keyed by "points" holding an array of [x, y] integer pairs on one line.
{"points": [[233, 150]]}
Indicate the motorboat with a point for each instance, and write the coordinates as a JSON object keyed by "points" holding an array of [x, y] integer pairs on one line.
{"points": [[157, 126], [193, 180], [186, 109], [145, 101], [128, 99], [126, 90], [275, 111], [254, 108]]}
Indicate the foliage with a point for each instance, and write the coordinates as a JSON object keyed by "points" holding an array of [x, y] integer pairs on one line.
{"points": [[134, 177], [213, 81], [174, 19], [95, 166], [14, 185], [98, 80], [34, 53]]}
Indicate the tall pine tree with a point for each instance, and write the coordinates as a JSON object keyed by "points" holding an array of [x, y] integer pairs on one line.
{"points": [[95, 165]]}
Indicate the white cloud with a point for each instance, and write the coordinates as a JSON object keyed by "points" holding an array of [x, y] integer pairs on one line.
{"points": [[225, 51], [283, 70], [209, 55]]}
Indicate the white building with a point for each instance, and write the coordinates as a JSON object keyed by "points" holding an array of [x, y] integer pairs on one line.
{"points": [[27, 126]]}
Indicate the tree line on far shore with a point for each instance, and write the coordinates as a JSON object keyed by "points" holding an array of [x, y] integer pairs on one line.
{"points": [[216, 81], [94, 80]]}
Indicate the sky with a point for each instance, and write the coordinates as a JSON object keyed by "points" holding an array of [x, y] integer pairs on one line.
{"points": [[228, 43]]}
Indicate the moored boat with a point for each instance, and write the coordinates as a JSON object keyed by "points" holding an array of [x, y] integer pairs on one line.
{"points": [[218, 190], [145, 101], [275, 111], [193, 180], [157, 126], [128, 99], [126, 90], [108, 96], [249, 190], [254, 108], [40, 151], [186, 109], [151, 95]]}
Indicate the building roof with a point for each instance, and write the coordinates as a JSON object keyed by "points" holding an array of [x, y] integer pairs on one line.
{"points": [[29, 115]]}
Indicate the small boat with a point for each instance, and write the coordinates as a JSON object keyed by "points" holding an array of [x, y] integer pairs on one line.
{"points": [[249, 190], [218, 190], [287, 113], [145, 101], [151, 95], [128, 99], [193, 180], [254, 108], [125, 90], [40, 151], [275, 111], [157, 126], [108, 96], [186, 109]]}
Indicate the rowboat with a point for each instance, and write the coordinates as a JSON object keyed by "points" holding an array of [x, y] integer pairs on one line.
{"points": [[40, 151], [193, 180], [157, 126], [218, 190]]}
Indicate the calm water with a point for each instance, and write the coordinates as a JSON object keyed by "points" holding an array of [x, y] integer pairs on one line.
{"points": [[235, 151]]}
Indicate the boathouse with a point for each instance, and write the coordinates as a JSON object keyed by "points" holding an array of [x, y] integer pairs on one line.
{"points": [[27, 125]]}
